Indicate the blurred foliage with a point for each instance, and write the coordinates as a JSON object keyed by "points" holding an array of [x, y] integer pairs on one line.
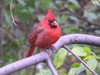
{"points": [[74, 16], [44, 72]]}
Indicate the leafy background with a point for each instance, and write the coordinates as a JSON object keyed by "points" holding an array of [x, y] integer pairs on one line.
{"points": [[73, 16]]}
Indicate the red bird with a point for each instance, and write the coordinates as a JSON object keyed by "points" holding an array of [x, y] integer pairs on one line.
{"points": [[46, 33]]}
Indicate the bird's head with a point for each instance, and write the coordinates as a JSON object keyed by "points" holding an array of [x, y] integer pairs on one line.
{"points": [[51, 19]]}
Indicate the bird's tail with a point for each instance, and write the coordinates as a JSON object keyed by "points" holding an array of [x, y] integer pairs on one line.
{"points": [[30, 51]]}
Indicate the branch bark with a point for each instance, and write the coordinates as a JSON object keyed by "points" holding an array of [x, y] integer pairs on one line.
{"points": [[51, 66], [67, 39]]}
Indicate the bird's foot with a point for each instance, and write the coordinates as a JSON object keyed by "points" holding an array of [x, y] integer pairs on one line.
{"points": [[52, 47], [50, 50]]}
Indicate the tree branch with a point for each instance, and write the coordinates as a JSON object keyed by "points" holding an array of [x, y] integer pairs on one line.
{"points": [[52, 68], [67, 39], [21, 64]]}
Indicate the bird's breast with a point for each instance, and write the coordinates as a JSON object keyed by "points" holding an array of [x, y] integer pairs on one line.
{"points": [[47, 38]]}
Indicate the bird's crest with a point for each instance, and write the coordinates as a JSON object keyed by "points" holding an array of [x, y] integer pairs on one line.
{"points": [[50, 15]]}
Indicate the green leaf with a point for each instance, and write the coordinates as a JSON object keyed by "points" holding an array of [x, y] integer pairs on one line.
{"points": [[87, 49], [72, 6], [22, 2], [71, 29], [62, 18], [75, 19], [75, 65], [24, 11], [60, 57], [14, 45], [95, 1], [25, 72], [72, 71], [90, 16], [40, 17], [44, 72], [62, 71], [79, 51], [98, 68], [75, 2], [80, 69], [92, 63], [77, 69], [89, 57]]}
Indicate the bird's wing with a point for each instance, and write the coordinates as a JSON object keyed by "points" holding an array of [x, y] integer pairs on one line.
{"points": [[37, 30]]}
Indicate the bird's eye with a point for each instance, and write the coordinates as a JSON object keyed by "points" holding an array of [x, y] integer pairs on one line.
{"points": [[50, 21], [53, 24]]}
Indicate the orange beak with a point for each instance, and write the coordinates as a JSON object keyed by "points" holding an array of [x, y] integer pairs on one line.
{"points": [[54, 24]]}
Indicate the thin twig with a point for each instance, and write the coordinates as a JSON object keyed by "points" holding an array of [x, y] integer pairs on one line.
{"points": [[12, 14], [50, 64], [80, 60]]}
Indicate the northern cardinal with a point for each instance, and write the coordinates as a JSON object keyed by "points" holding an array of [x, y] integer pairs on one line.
{"points": [[45, 33]]}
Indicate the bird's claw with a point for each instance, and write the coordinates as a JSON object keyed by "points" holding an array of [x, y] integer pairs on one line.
{"points": [[50, 51], [52, 47]]}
